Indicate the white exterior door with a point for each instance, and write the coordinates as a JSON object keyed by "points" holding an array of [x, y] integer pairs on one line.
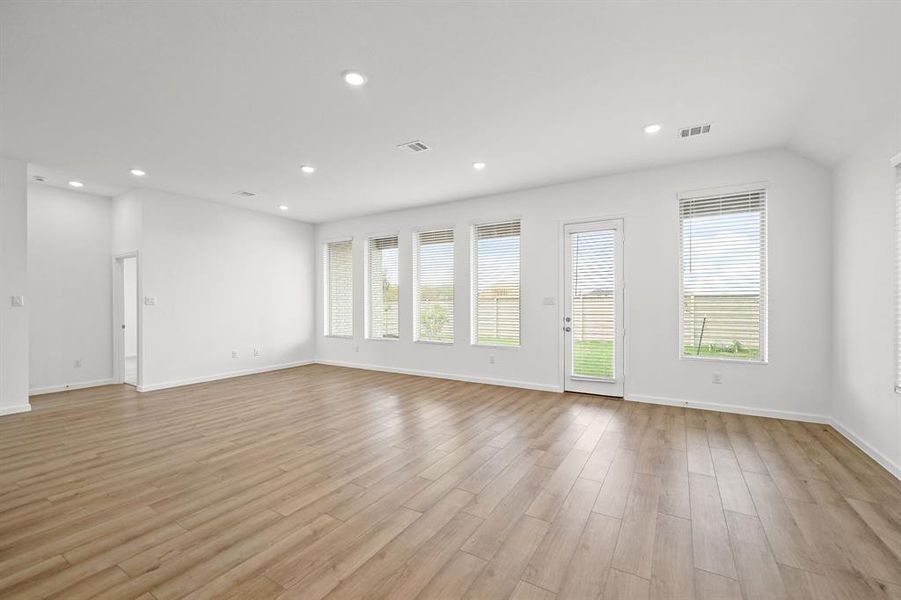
{"points": [[593, 308]]}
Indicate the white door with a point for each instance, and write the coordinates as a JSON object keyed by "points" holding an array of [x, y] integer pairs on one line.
{"points": [[593, 308]]}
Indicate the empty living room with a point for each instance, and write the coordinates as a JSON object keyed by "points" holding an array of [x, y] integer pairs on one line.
{"points": [[452, 299]]}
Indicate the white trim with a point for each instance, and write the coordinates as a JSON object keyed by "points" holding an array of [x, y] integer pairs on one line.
{"points": [[730, 408], [52, 389], [887, 463], [896, 160], [207, 378], [470, 379], [15, 409]]}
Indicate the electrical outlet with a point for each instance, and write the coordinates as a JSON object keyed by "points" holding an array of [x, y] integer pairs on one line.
{"points": [[149, 300], [234, 354], [256, 352], [716, 378], [77, 363], [356, 348], [491, 360], [17, 301]]}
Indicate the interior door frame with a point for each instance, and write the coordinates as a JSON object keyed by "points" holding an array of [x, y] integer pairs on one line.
{"points": [[118, 315], [623, 290]]}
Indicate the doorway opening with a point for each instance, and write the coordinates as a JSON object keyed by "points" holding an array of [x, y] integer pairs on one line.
{"points": [[126, 320]]}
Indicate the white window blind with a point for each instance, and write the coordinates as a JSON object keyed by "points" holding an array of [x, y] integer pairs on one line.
{"points": [[723, 276], [434, 286], [339, 321], [593, 303], [496, 284], [382, 290], [898, 275]]}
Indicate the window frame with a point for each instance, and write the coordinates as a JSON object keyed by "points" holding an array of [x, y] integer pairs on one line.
{"points": [[474, 283], [766, 188], [414, 242], [367, 317], [896, 276], [325, 288]]}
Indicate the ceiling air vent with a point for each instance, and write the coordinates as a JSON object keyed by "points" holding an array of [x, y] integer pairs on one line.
{"points": [[415, 147], [243, 194], [687, 132]]}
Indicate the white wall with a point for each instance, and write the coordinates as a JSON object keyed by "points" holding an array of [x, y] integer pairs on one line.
{"points": [[865, 405], [69, 281], [224, 279], [794, 381], [13, 282]]}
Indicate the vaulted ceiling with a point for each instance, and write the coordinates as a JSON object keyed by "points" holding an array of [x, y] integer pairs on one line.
{"points": [[214, 97]]}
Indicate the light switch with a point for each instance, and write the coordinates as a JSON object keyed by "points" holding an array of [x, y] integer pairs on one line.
{"points": [[150, 300], [17, 300], [549, 301]]}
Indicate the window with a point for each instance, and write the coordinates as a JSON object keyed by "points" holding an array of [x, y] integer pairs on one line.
{"points": [[433, 274], [382, 292], [339, 286], [496, 284], [897, 161], [723, 276]]}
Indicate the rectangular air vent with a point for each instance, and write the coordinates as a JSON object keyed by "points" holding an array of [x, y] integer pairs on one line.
{"points": [[694, 130], [414, 147], [243, 194]]}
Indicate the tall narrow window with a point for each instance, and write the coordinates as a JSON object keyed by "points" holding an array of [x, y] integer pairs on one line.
{"points": [[434, 286], [723, 276], [898, 273], [496, 284], [382, 300], [339, 289]]}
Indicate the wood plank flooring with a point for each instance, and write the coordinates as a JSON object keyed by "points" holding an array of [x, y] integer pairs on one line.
{"points": [[322, 482]]}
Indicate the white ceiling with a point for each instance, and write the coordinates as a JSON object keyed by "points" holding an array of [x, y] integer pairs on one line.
{"points": [[213, 97]]}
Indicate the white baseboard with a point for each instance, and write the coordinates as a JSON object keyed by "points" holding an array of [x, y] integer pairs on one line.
{"points": [[487, 380], [207, 378], [731, 408], [51, 389], [12, 410], [887, 463]]}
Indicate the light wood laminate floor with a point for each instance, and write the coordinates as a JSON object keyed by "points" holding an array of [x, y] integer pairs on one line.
{"points": [[323, 482]]}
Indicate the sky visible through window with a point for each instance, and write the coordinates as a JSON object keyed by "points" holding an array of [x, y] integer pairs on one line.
{"points": [[500, 249], [726, 258]]}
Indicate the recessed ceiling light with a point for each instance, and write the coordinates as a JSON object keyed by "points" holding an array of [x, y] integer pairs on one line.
{"points": [[283, 207], [76, 184], [353, 78], [308, 169], [652, 128], [478, 166], [137, 172]]}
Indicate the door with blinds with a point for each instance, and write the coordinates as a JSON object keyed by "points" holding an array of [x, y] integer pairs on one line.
{"points": [[593, 308]]}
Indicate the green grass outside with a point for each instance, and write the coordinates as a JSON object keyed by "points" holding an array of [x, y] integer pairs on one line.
{"points": [[722, 351], [595, 358]]}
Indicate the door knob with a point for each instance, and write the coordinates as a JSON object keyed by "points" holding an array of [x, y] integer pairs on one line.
{"points": [[566, 319], [567, 329]]}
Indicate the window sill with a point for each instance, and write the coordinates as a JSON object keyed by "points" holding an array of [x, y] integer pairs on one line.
{"points": [[339, 337], [496, 346], [718, 359], [382, 339], [433, 343]]}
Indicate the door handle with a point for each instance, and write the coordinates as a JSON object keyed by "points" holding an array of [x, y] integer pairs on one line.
{"points": [[567, 329], [566, 319]]}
